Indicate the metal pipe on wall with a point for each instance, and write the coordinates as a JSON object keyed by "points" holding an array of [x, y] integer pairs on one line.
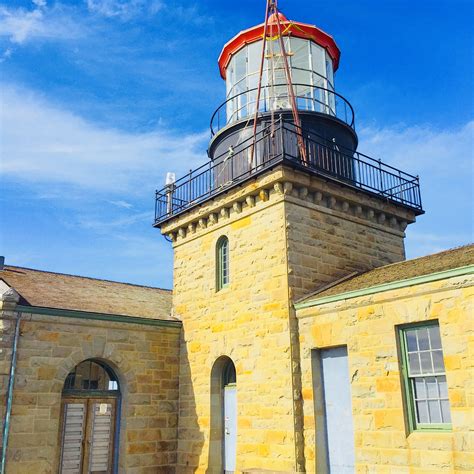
{"points": [[8, 405]]}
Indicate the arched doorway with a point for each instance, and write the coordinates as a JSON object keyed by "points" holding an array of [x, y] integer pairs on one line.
{"points": [[89, 413], [229, 386], [223, 442]]}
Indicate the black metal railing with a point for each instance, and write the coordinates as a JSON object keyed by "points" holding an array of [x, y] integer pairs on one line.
{"points": [[308, 98], [279, 144]]}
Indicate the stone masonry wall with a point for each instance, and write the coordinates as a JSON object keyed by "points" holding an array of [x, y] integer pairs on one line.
{"points": [[367, 325], [289, 233], [333, 232], [248, 322], [145, 359]]}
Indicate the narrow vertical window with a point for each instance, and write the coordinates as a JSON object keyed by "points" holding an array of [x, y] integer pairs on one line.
{"points": [[222, 263], [425, 377]]}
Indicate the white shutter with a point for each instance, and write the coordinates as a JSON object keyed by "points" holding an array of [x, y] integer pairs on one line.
{"points": [[101, 437], [73, 435]]}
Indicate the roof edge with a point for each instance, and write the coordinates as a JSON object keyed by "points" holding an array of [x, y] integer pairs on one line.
{"points": [[430, 277], [118, 318], [6, 267]]}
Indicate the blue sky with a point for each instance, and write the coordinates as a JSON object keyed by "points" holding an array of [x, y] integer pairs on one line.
{"points": [[100, 98]]}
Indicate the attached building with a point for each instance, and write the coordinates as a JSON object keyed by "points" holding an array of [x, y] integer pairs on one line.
{"points": [[95, 374]]}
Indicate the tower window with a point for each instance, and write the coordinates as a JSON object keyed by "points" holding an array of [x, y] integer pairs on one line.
{"points": [[222, 263], [425, 377]]}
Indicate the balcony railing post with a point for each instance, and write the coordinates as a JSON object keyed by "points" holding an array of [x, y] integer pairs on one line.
{"points": [[282, 138], [380, 177]]}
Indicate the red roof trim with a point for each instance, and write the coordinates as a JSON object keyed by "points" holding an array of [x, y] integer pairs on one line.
{"points": [[300, 30]]}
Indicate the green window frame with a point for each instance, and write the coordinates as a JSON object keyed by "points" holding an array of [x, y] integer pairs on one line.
{"points": [[424, 377], [222, 263]]}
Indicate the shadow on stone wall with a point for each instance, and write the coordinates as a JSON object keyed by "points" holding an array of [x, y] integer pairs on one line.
{"points": [[190, 436]]}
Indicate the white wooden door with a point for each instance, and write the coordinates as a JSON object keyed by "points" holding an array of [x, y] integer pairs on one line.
{"points": [[230, 427]]}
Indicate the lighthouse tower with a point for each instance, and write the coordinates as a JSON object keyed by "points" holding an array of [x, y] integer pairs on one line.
{"points": [[285, 206]]}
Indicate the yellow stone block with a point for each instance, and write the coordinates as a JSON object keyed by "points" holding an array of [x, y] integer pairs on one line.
{"points": [[388, 384], [276, 437], [241, 223], [391, 418], [452, 362], [263, 450], [194, 346], [307, 393], [365, 312]]}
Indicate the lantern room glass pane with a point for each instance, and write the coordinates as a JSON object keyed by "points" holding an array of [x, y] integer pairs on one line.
{"points": [[329, 71], [254, 51], [318, 59], [240, 64], [299, 53]]}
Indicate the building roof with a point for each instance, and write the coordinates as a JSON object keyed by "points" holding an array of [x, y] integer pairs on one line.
{"points": [[77, 293], [417, 267]]}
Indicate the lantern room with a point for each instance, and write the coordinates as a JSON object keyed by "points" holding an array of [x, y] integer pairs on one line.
{"points": [[280, 70], [313, 57]]}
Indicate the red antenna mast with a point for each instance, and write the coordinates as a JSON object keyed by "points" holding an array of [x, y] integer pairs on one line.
{"points": [[271, 11]]}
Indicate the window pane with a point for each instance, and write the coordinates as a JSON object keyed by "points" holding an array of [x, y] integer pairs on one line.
{"points": [[434, 409], [425, 358], [432, 387], [438, 361], [411, 340], [443, 386], [299, 76], [240, 64], [435, 337], [445, 410], [423, 341], [422, 412], [318, 58], [414, 363], [255, 57], [329, 71], [300, 53], [420, 389]]}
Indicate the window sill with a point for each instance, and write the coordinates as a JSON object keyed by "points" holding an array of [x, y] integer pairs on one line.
{"points": [[433, 428]]}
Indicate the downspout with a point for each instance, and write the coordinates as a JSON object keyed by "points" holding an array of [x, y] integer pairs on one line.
{"points": [[11, 382]]}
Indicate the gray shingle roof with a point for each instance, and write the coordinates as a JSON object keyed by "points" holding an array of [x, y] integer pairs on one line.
{"points": [[70, 292]]}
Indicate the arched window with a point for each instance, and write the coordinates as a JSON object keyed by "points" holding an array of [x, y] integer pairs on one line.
{"points": [[91, 375], [90, 409], [222, 263]]}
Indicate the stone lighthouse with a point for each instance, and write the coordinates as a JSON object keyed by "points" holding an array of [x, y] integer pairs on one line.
{"points": [[285, 206]]}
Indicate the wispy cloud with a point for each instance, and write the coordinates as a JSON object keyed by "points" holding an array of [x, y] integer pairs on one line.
{"points": [[21, 25], [46, 144], [443, 158], [123, 204], [421, 149], [124, 9]]}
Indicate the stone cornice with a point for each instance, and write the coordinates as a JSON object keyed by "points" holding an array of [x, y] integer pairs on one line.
{"points": [[284, 183]]}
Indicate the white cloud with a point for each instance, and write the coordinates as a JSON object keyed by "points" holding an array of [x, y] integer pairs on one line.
{"points": [[20, 25], [39, 3], [124, 9], [123, 204], [44, 143], [421, 149], [444, 160]]}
